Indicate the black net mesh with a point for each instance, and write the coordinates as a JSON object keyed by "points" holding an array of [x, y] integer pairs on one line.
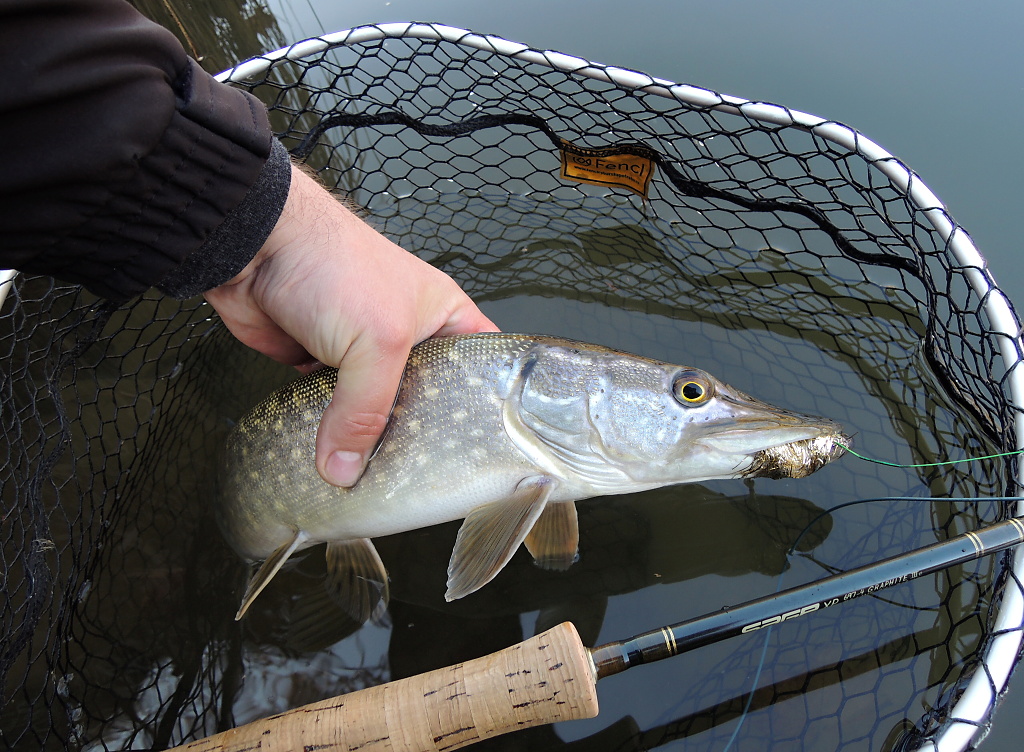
{"points": [[785, 263]]}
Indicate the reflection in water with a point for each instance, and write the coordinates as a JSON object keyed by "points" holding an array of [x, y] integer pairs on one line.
{"points": [[627, 543], [217, 33]]}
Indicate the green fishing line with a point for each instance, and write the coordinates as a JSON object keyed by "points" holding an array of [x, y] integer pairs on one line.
{"points": [[931, 464]]}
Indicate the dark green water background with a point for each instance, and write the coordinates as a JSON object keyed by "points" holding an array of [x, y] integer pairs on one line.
{"points": [[938, 84]]}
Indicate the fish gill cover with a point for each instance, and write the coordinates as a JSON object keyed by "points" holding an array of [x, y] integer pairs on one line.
{"points": [[773, 257]]}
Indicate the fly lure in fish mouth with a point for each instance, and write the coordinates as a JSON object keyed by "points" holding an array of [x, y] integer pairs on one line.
{"points": [[798, 459]]}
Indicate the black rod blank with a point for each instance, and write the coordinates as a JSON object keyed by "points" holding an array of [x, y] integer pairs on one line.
{"points": [[770, 610]]}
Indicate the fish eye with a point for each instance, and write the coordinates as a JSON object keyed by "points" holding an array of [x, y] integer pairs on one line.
{"points": [[692, 388]]}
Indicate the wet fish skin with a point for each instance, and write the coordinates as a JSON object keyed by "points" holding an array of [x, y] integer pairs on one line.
{"points": [[506, 431]]}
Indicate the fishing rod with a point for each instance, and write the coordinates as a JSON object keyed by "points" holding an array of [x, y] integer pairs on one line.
{"points": [[553, 676]]}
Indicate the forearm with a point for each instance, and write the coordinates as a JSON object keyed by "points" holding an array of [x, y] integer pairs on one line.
{"points": [[126, 165]]}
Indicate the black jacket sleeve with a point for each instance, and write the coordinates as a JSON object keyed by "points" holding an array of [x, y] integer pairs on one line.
{"points": [[125, 165]]}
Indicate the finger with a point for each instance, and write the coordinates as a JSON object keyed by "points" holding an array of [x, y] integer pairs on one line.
{"points": [[352, 424], [467, 322], [254, 328], [460, 314], [277, 344], [308, 366]]}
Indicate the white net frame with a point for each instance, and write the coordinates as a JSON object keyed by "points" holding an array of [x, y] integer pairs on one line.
{"points": [[983, 691]]}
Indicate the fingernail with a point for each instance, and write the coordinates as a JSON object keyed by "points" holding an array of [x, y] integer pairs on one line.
{"points": [[344, 468]]}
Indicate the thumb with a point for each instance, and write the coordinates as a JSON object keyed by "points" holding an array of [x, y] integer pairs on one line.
{"points": [[352, 424]]}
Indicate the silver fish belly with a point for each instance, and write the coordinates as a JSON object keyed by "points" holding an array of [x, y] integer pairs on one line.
{"points": [[506, 431]]}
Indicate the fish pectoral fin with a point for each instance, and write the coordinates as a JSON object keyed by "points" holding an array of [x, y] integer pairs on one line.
{"points": [[267, 570], [555, 538], [357, 579], [491, 534]]}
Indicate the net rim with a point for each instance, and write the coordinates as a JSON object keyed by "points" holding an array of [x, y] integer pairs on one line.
{"points": [[960, 245], [6, 282], [985, 687]]}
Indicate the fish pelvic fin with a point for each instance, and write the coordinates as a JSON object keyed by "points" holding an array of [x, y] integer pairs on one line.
{"points": [[267, 570], [554, 540], [491, 534], [357, 579]]}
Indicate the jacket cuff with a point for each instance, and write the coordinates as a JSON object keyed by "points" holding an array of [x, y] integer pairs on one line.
{"points": [[234, 243]]}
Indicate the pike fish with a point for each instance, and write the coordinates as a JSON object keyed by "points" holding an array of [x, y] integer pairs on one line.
{"points": [[507, 431]]}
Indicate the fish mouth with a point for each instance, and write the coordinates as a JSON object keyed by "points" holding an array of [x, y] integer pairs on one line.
{"points": [[750, 436], [798, 459], [773, 442]]}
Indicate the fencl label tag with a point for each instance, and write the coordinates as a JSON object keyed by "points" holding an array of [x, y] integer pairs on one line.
{"points": [[627, 166]]}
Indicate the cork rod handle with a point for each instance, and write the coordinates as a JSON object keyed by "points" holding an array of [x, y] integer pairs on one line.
{"points": [[547, 678]]}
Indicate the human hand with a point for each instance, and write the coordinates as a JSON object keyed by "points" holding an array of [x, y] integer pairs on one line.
{"points": [[327, 287]]}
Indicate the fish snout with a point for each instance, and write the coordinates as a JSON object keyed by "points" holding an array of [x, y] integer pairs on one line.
{"points": [[742, 424], [779, 443]]}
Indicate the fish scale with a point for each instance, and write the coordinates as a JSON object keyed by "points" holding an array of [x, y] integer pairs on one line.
{"points": [[506, 431]]}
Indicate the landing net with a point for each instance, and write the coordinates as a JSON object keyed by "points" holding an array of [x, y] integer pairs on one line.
{"points": [[786, 254]]}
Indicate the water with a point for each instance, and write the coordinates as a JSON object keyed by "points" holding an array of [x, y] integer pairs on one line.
{"points": [[919, 82]]}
